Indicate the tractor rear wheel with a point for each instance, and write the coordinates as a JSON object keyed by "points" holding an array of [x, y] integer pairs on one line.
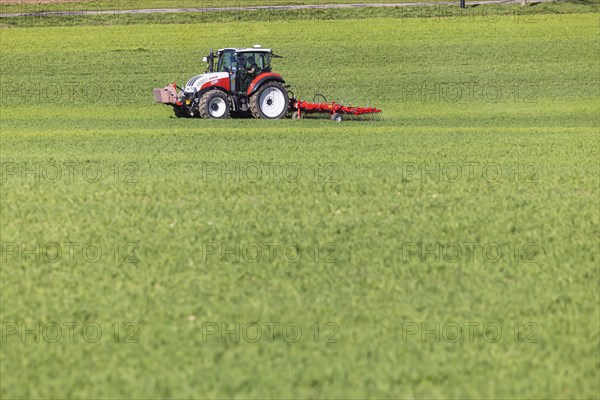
{"points": [[214, 104], [271, 101]]}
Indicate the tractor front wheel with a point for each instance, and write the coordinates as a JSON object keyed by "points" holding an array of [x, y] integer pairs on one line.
{"points": [[214, 104], [182, 112], [271, 101]]}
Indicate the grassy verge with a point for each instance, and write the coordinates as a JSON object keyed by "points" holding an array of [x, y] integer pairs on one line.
{"points": [[489, 13], [144, 4]]}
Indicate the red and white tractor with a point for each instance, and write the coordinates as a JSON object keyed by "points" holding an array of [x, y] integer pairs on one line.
{"points": [[242, 81]]}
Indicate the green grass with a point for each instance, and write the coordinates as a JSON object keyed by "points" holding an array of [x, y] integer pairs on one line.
{"points": [[531, 14], [544, 121], [143, 4]]}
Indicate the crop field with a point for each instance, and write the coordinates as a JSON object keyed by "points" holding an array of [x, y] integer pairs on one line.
{"points": [[449, 250]]}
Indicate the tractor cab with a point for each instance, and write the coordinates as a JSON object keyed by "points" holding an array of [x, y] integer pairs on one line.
{"points": [[243, 65]]}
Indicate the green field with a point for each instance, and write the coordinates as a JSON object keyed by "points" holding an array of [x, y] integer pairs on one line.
{"points": [[489, 141]]}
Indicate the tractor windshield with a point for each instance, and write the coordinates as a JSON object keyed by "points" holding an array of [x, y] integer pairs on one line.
{"points": [[226, 61]]}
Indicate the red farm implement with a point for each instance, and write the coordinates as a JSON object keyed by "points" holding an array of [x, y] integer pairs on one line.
{"points": [[336, 112]]}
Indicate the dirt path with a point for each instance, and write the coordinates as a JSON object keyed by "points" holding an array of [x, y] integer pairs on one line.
{"points": [[17, 2], [256, 8]]}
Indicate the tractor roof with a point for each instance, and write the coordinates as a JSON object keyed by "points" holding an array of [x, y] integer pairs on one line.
{"points": [[246, 50]]}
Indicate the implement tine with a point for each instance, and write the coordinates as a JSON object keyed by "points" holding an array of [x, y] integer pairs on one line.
{"points": [[326, 110]]}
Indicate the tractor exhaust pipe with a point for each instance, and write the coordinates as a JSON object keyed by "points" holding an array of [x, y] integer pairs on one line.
{"points": [[210, 59]]}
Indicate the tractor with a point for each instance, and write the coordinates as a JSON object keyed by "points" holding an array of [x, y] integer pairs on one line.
{"points": [[241, 83]]}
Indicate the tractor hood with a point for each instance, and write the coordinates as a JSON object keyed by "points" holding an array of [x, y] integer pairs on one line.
{"points": [[196, 83]]}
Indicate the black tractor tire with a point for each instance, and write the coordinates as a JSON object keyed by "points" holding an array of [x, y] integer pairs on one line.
{"points": [[282, 101], [182, 112], [214, 104]]}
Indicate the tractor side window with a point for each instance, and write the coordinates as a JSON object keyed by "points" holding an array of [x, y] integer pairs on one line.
{"points": [[256, 59], [260, 61], [250, 60], [266, 64]]}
